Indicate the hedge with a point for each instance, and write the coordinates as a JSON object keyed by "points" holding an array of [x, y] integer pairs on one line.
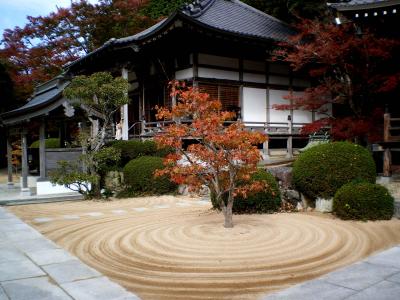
{"points": [[139, 176], [50, 143], [134, 148], [321, 170], [363, 201], [265, 201]]}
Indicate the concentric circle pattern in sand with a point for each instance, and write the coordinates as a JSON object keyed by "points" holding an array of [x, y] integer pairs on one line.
{"points": [[169, 248]]}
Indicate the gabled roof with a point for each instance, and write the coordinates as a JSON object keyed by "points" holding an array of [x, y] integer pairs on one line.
{"points": [[363, 4], [231, 17], [46, 98]]}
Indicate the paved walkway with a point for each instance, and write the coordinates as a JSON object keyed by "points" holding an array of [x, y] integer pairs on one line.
{"points": [[12, 196], [34, 268], [375, 278]]}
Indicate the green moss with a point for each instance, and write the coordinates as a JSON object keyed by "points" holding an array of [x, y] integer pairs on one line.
{"points": [[363, 201], [322, 170], [50, 143], [266, 201], [139, 176]]}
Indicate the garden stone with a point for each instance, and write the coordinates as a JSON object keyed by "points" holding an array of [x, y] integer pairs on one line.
{"points": [[397, 208], [284, 175], [114, 181], [324, 205], [291, 196]]}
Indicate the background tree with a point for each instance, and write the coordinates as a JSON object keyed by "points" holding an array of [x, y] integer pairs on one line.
{"points": [[224, 155], [100, 96], [349, 71], [37, 52]]}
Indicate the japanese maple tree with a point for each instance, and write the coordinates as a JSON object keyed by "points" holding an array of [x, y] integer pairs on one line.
{"points": [[223, 156], [349, 71]]}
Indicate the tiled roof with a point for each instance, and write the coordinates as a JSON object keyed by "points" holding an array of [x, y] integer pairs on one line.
{"points": [[236, 17], [44, 96], [363, 4], [228, 16]]}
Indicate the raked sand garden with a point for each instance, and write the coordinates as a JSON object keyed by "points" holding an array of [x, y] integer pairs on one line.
{"points": [[176, 247]]}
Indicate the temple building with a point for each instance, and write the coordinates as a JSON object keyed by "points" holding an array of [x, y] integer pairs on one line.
{"points": [[224, 47]]}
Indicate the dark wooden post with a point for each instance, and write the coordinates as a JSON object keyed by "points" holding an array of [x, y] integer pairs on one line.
{"points": [[24, 172], [387, 162], [42, 150], [290, 138], [10, 183], [386, 127]]}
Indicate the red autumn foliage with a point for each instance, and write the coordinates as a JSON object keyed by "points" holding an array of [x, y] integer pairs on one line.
{"points": [[37, 52], [349, 71], [224, 152]]}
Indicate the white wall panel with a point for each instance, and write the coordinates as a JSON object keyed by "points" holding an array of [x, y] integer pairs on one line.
{"points": [[250, 77], [221, 61], [301, 116], [254, 105], [328, 108], [276, 97], [218, 74], [184, 74]]}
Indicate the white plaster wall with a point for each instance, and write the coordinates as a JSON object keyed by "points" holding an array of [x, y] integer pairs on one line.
{"points": [[254, 105], [47, 188], [218, 74], [184, 74], [301, 116], [220, 61], [276, 97], [251, 77], [328, 108]]}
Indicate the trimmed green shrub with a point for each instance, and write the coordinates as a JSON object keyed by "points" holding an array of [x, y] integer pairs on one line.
{"points": [[322, 170], [266, 201], [134, 148], [50, 143], [139, 176], [363, 201]]}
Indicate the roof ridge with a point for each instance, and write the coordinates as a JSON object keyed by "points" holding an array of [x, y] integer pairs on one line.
{"points": [[197, 7], [257, 11]]}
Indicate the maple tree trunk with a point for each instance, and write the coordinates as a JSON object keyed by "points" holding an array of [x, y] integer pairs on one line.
{"points": [[228, 222]]}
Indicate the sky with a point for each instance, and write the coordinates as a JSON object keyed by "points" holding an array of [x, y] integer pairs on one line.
{"points": [[13, 12]]}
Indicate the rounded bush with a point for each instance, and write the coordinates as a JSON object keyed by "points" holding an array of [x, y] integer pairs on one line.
{"points": [[321, 170], [139, 176], [266, 201], [50, 143], [134, 148], [363, 201]]}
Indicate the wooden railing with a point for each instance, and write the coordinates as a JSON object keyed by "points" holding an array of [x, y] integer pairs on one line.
{"points": [[391, 129], [275, 130]]}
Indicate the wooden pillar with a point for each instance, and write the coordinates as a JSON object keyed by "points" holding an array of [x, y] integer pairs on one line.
{"points": [[289, 153], [10, 183], [387, 163], [25, 191], [42, 150], [124, 111], [386, 127]]}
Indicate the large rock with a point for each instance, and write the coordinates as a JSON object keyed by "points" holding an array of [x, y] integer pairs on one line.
{"points": [[283, 175]]}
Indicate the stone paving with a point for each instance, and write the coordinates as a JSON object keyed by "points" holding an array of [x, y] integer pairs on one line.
{"points": [[375, 278], [34, 268], [12, 196]]}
